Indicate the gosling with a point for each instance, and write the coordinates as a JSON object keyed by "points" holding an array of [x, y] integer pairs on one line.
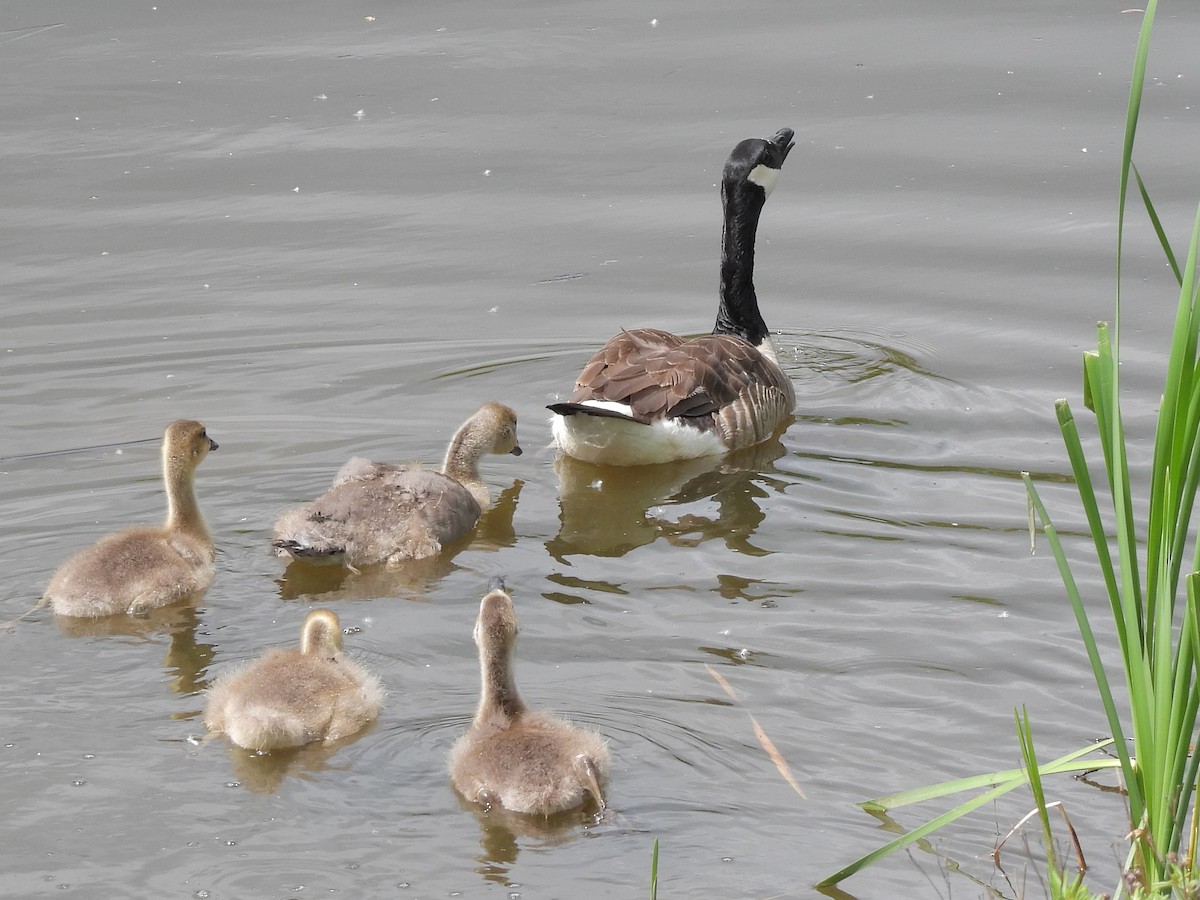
{"points": [[376, 512], [523, 760], [140, 569], [289, 698]]}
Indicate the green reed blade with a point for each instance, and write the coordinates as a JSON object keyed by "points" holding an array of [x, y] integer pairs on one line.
{"points": [[1158, 229], [916, 834], [654, 871], [1070, 762], [1089, 642]]}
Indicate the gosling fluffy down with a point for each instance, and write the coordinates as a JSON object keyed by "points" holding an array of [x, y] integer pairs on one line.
{"points": [[526, 761], [291, 697], [143, 568], [376, 512]]}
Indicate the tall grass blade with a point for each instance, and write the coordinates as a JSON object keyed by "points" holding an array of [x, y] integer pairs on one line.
{"points": [[1029, 762]]}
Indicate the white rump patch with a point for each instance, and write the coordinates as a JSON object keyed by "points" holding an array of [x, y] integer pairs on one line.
{"points": [[620, 442], [765, 177]]}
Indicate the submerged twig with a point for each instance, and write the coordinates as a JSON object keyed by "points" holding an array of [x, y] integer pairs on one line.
{"points": [[15, 34], [767, 744], [1081, 864]]}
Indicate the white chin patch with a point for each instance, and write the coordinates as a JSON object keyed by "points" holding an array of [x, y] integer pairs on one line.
{"points": [[765, 177]]}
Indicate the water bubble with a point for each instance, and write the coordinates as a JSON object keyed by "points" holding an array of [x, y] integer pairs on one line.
{"points": [[233, 784], [202, 894]]}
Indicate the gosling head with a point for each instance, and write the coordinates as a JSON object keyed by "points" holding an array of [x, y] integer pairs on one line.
{"points": [[186, 442], [754, 164], [322, 634], [500, 422], [496, 627]]}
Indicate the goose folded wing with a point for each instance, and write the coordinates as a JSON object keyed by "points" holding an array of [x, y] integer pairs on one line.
{"points": [[661, 376]]}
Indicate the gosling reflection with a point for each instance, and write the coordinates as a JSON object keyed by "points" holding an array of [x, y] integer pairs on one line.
{"points": [[187, 659], [264, 773], [502, 832], [412, 579], [609, 511]]}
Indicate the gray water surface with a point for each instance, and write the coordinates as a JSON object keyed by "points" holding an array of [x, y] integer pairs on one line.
{"points": [[335, 229]]}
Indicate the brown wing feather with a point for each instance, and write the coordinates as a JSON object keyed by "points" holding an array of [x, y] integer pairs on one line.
{"points": [[714, 381]]}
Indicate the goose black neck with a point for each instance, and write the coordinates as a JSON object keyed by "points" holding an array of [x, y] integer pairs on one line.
{"points": [[738, 311]]}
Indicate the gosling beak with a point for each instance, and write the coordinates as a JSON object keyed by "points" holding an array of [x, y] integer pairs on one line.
{"points": [[212, 445], [496, 584], [516, 450]]}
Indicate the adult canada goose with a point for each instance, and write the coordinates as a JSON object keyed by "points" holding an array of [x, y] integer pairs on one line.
{"points": [[522, 760], [376, 512], [649, 396], [290, 697], [142, 568]]}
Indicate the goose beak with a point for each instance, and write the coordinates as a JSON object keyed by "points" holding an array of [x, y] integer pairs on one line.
{"points": [[516, 450], [496, 584], [783, 140]]}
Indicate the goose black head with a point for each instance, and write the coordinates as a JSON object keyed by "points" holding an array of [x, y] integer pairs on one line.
{"points": [[756, 161]]}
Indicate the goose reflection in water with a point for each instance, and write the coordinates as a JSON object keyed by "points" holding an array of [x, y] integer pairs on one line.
{"points": [[610, 510], [186, 660], [412, 579]]}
